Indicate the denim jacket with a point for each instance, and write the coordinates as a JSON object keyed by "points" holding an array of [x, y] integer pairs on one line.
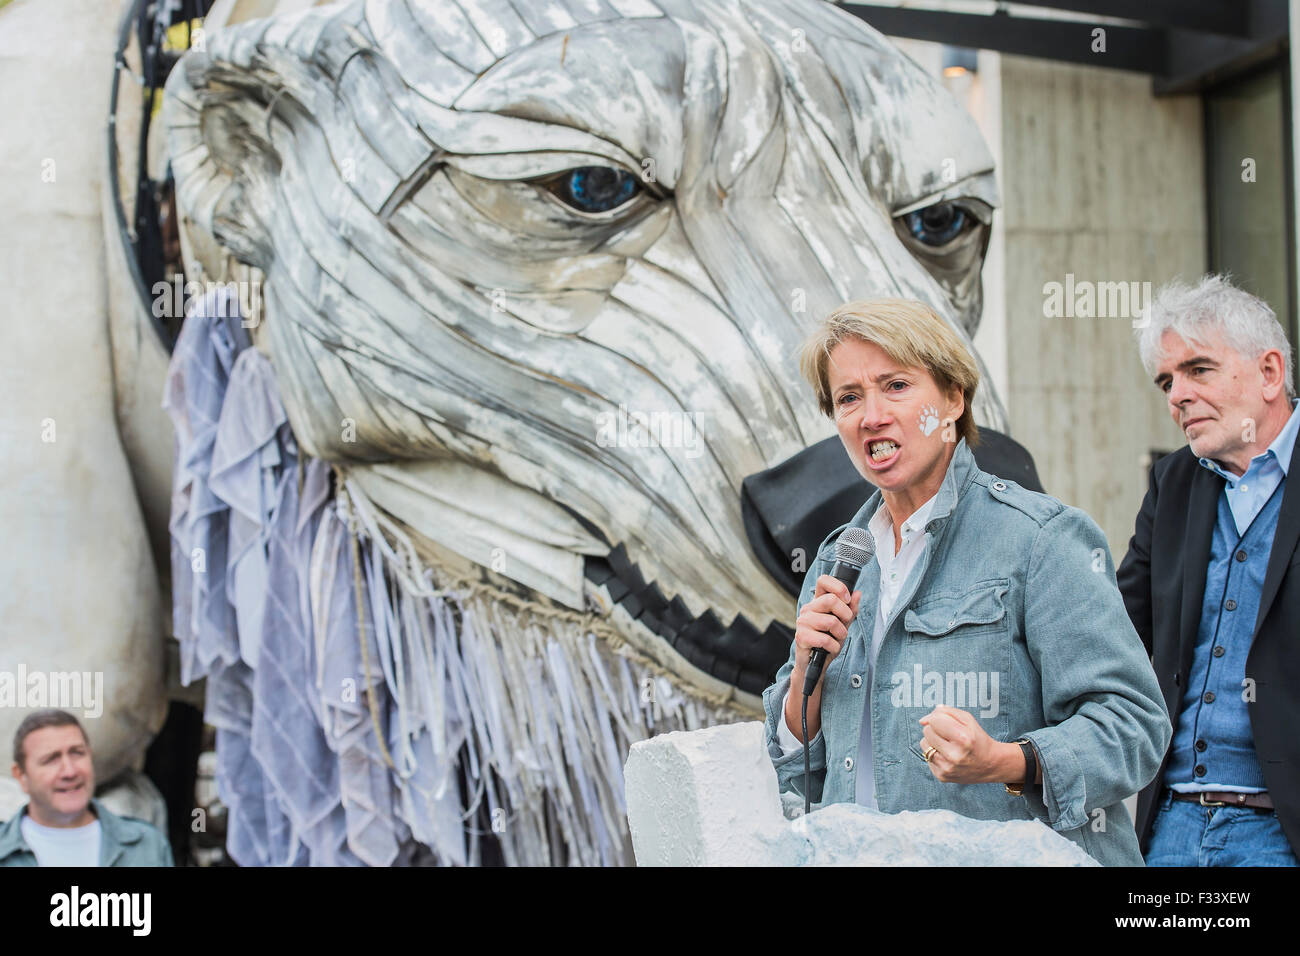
{"points": [[124, 841], [1015, 596]]}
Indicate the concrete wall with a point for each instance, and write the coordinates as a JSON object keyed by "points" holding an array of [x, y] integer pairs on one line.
{"points": [[1103, 181]]}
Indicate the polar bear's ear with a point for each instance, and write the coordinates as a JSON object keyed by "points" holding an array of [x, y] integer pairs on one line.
{"points": [[222, 158], [277, 115]]}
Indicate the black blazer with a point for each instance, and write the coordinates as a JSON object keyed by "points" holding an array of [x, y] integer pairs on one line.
{"points": [[1162, 579]]}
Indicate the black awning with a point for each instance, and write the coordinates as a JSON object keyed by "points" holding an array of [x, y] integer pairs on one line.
{"points": [[1184, 45]]}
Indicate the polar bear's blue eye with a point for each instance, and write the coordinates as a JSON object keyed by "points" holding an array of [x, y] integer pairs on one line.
{"points": [[939, 224], [595, 188]]}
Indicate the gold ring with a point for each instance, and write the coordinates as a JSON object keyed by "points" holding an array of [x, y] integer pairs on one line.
{"points": [[929, 752]]}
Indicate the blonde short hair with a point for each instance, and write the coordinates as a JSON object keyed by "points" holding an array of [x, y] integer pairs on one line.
{"points": [[909, 332]]}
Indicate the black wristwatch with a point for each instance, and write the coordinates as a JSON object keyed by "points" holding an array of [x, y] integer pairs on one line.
{"points": [[1031, 769]]}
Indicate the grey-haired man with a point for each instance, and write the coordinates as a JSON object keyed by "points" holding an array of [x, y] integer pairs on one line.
{"points": [[1211, 582]]}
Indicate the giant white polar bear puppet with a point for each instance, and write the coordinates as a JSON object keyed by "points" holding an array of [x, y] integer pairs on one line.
{"points": [[457, 510]]}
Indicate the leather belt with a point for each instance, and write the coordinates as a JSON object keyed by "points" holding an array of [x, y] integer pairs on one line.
{"points": [[1224, 798]]}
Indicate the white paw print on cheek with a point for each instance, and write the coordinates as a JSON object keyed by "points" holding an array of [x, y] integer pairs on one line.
{"points": [[929, 420]]}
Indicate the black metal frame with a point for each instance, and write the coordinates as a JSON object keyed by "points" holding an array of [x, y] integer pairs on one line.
{"points": [[143, 244]]}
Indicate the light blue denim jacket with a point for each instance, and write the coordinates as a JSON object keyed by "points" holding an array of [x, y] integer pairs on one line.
{"points": [[123, 841], [1015, 584]]}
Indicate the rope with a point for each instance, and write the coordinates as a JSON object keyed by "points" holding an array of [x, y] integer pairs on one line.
{"points": [[353, 543]]}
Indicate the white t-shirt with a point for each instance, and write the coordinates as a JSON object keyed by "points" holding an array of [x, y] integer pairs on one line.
{"points": [[63, 846]]}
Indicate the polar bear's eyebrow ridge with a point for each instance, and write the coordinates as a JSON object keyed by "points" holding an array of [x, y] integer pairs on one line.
{"points": [[637, 105]]}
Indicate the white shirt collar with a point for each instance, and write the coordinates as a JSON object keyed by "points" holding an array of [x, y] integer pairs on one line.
{"points": [[1280, 450], [882, 523]]}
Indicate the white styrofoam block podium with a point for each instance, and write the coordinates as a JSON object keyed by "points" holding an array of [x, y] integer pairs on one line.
{"points": [[709, 798]]}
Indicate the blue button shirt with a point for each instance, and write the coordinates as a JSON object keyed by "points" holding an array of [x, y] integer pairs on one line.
{"points": [[1246, 494], [1213, 748]]}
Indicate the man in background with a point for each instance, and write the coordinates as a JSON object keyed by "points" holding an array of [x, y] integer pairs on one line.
{"points": [[62, 824], [1212, 586]]}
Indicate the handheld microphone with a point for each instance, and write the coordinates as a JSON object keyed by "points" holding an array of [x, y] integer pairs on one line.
{"points": [[854, 548]]}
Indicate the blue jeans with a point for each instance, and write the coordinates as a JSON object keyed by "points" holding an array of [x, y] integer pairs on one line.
{"points": [[1188, 834]]}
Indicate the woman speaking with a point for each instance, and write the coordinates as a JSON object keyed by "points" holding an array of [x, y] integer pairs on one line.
{"points": [[993, 670]]}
